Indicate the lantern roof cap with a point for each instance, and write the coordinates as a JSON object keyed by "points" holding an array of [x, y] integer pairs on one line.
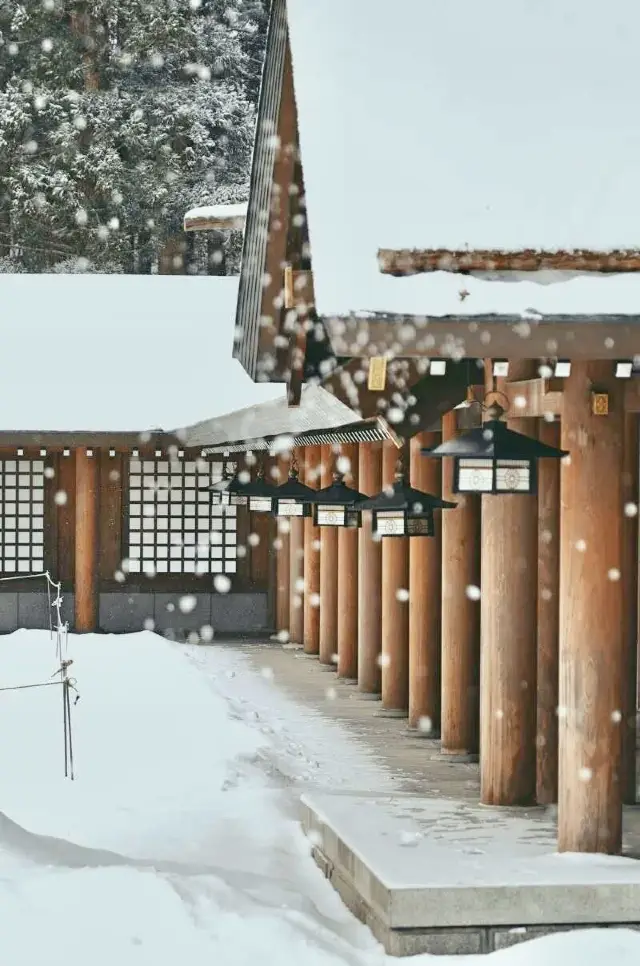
{"points": [[339, 494], [293, 489], [494, 440], [401, 496]]}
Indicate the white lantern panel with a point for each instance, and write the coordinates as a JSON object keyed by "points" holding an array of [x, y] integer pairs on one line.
{"points": [[260, 504], [330, 516], [513, 476], [289, 508], [391, 523], [475, 476]]}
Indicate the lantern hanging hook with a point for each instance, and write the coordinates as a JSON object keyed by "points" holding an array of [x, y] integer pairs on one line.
{"points": [[490, 403]]}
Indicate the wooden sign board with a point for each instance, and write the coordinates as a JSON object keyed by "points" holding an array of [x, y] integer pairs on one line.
{"points": [[377, 374], [600, 403]]}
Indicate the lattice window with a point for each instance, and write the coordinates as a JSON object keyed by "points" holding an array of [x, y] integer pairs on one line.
{"points": [[173, 529], [22, 516]]}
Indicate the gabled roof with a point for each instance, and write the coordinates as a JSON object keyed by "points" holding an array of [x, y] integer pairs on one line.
{"points": [[504, 125], [318, 410], [117, 353]]}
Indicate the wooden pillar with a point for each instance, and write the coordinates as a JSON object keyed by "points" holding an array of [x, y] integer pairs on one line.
{"points": [[283, 560], [369, 577], [348, 578], [630, 495], [548, 618], [296, 570], [508, 653], [328, 574], [86, 583], [395, 607], [460, 721], [312, 457], [425, 600], [592, 624]]}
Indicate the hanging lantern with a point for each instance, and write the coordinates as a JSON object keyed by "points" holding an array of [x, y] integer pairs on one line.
{"points": [[494, 459], [337, 505], [401, 511], [257, 494], [228, 491], [293, 498]]}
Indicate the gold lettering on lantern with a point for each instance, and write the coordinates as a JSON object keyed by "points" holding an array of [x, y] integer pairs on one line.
{"points": [[600, 403], [377, 374]]}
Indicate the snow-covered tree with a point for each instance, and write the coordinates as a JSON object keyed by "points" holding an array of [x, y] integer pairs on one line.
{"points": [[116, 116]]}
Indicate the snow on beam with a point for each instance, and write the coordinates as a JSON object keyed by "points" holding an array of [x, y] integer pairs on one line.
{"points": [[216, 217], [418, 261]]}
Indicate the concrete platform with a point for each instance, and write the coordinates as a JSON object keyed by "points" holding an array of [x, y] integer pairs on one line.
{"points": [[424, 865], [435, 877]]}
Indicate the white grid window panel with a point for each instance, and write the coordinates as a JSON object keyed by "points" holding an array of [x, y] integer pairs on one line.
{"points": [[22, 516], [173, 528]]}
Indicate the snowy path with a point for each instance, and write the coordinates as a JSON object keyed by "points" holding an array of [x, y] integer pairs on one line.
{"points": [[178, 842]]}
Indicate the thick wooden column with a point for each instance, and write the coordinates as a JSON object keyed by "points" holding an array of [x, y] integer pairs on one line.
{"points": [[460, 721], [548, 618], [328, 652], [283, 561], [425, 602], [86, 569], [395, 607], [629, 575], [296, 570], [592, 623], [508, 653], [369, 577], [312, 459], [348, 577]]}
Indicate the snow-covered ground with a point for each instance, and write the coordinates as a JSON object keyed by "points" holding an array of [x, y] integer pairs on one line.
{"points": [[178, 840]]}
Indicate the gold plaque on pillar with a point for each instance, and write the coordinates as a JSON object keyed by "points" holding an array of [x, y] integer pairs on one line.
{"points": [[600, 403], [289, 297], [377, 374]]}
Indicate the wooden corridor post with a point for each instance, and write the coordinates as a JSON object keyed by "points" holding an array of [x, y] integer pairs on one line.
{"points": [[592, 626], [425, 599], [395, 607], [328, 635], [508, 653], [369, 577], [460, 614], [86, 582], [312, 457], [548, 618], [348, 579], [296, 571], [630, 495], [283, 561]]}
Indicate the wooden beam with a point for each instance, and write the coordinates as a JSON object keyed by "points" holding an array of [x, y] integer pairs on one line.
{"points": [[503, 337], [425, 603], [395, 608], [328, 647], [592, 625], [532, 398], [508, 652], [301, 301], [460, 614], [416, 261], [348, 581], [86, 570], [369, 577]]}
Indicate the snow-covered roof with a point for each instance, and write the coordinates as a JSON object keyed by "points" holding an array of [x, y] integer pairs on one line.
{"points": [[209, 217], [318, 409], [499, 125], [118, 353]]}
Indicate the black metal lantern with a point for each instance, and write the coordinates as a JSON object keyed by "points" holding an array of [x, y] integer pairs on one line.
{"points": [[494, 459], [228, 491], [401, 511], [293, 498], [337, 505], [257, 494]]}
